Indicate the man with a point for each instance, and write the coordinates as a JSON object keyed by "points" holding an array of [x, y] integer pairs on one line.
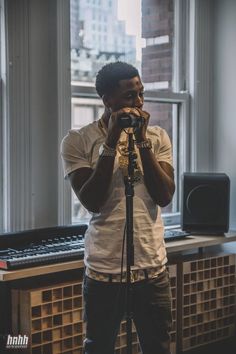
{"points": [[95, 161]]}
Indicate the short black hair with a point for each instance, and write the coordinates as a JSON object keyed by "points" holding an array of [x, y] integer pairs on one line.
{"points": [[109, 75]]}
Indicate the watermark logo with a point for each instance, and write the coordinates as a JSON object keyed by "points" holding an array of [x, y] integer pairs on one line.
{"points": [[17, 342]]}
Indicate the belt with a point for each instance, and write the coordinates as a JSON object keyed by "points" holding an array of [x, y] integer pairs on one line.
{"points": [[135, 275]]}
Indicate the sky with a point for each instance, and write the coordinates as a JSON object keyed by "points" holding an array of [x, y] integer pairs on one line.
{"points": [[130, 12]]}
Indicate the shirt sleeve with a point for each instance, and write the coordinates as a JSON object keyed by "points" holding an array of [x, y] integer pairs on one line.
{"points": [[73, 153], [165, 148]]}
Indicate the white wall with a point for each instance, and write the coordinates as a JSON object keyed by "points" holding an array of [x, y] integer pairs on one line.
{"points": [[224, 95], [43, 102], [37, 112], [39, 35]]}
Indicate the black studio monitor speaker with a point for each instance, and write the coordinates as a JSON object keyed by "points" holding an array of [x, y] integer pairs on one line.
{"points": [[205, 203]]}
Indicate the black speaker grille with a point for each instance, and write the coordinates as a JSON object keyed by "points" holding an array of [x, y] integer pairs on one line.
{"points": [[204, 203]]}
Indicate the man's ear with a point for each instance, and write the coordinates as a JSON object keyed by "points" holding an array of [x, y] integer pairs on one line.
{"points": [[106, 101]]}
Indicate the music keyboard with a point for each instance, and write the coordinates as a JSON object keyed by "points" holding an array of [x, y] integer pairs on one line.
{"points": [[51, 251], [51, 245], [41, 250], [175, 235]]}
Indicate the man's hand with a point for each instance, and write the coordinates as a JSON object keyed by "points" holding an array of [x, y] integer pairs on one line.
{"points": [[114, 130], [140, 133]]}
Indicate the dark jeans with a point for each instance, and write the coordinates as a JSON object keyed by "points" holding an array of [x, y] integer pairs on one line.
{"points": [[105, 308]]}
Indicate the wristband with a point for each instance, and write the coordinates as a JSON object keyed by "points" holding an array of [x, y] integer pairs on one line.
{"points": [[106, 150], [145, 144]]}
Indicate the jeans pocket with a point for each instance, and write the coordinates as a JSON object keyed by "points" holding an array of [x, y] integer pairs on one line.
{"points": [[160, 291], [162, 279], [91, 286]]}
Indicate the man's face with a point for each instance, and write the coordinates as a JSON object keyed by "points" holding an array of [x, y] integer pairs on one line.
{"points": [[128, 94]]}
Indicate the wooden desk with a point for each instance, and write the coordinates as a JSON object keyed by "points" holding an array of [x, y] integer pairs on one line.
{"points": [[199, 242], [189, 243], [9, 279]]}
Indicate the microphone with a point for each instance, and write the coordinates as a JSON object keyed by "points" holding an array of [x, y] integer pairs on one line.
{"points": [[130, 121]]}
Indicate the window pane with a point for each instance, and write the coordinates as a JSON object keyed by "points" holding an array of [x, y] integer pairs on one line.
{"points": [[160, 114], [102, 33], [79, 213], [165, 115], [158, 32], [84, 111], [82, 115], [140, 32], [105, 31]]}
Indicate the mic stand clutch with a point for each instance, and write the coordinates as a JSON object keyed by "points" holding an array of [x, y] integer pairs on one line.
{"points": [[129, 193]]}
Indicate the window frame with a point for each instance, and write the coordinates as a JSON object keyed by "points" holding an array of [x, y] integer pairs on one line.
{"points": [[195, 37], [179, 97], [182, 125]]}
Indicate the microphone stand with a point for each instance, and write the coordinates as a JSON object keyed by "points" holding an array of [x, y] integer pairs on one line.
{"points": [[129, 192]]}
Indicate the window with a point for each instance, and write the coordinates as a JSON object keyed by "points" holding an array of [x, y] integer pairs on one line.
{"points": [[154, 51], [90, 108], [22, 150], [156, 48]]}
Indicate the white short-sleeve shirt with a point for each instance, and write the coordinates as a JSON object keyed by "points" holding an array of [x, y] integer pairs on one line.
{"points": [[104, 236]]}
